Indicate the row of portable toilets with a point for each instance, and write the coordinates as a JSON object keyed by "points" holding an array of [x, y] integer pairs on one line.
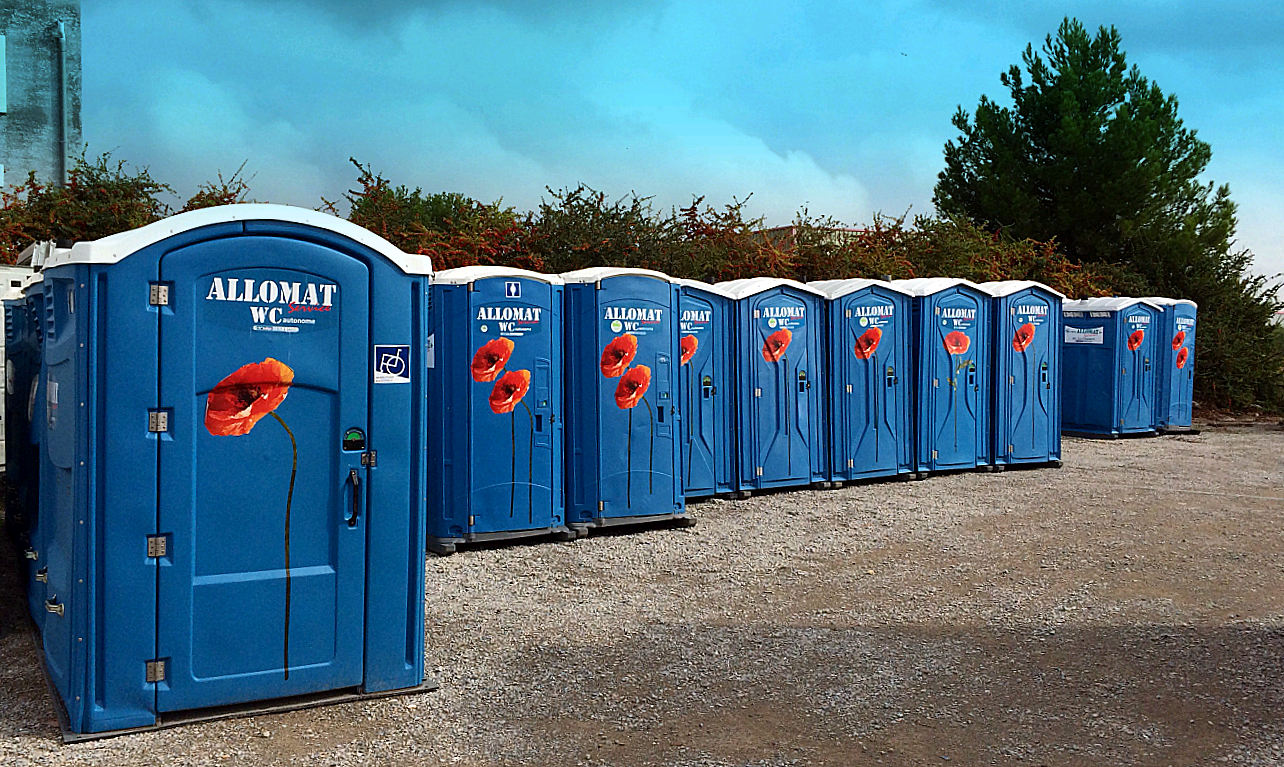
{"points": [[241, 427]]}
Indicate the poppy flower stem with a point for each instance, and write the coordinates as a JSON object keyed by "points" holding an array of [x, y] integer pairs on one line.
{"points": [[289, 500], [512, 487], [628, 466], [650, 466], [530, 469]]}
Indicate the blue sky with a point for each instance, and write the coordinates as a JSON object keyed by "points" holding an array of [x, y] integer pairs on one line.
{"points": [[841, 107]]}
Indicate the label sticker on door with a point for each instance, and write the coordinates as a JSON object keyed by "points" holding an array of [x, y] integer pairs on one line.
{"points": [[391, 364]]}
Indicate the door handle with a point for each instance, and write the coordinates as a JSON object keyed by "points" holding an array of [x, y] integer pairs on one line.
{"points": [[355, 480]]}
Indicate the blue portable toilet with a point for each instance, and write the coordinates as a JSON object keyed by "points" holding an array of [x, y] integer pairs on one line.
{"points": [[868, 334], [1109, 353], [494, 398], [951, 354], [233, 466], [1175, 395], [1025, 405], [780, 354], [12, 280], [708, 441], [623, 460]]}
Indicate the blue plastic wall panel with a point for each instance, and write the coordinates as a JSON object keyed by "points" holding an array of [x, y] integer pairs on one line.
{"points": [[1090, 373], [1176, 374], [269, 355], [705, 386], [780, 389], [1026, 406], [869, 336], [623, 460], [495, 404], [952, 363]]}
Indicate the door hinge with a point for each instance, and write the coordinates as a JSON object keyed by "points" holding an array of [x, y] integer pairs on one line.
{"points": [[1011, 380], [42, 575], [158, 295], [933, 455], [472, 520], [849, 388], [31, 554], [1011, 448], [601, 505], [155, 671], [851, 464], [758, 471], [936, 383], [757, 392], [157, 421], [157, 545], [368, 458]]}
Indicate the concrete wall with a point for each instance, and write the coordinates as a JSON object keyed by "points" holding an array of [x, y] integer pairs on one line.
{"points": [[33, 119]]}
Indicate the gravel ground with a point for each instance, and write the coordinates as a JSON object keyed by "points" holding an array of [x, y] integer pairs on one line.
{"points": [[1126, 609]]}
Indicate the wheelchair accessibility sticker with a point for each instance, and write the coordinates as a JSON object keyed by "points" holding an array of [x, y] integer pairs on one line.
{"points": [[391, 364]]}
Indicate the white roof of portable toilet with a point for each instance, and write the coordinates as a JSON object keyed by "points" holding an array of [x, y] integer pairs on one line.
{"points": [[464, 275], [599, 273], [926, 286], [1106, 304], [839, 288], [1001, 288], [714, 289], [1170, 301], [113, 248], [752, 286], [32, 279]]}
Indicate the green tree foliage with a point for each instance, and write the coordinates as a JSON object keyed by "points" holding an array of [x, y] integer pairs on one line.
{"points": [[448, 227], [1093, 156], [101, 197]]}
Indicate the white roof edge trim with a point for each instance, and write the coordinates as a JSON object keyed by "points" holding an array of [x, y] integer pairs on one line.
{"points": [[113, 248], [1105, 304], [752, 286], [927, 286], [1171, 301], [839, 288], [599, 273], [707, 287], [1001, 288], [464, 275]]}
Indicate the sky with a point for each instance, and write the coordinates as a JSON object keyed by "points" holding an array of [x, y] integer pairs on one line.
{"points": [[842, 108]]}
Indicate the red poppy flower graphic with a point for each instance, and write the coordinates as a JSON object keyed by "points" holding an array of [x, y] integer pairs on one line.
{"points": [[240, 400], [868, 342], [689, 344], [1134, 340], [774, 347], [1024, 335], [1182, 356], [957, 342], [509, 390], [632, 386], [491, 358], [1179, 339], [618, 354]]}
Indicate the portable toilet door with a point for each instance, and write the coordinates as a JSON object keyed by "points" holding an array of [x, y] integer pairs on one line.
{"points": [[779, 355], [1108, 366], [1176, 376], [1026, 402], [495, 393], [623, 460], [255, 529], [868, 336], [29, 415], [952, 361], [708, 442]]}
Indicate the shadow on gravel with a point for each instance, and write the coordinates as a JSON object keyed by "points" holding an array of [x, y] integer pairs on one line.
{"points": [[907, 695]]}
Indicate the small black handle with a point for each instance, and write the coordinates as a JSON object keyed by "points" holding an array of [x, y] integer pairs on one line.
{"points": [[355, 479]]}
